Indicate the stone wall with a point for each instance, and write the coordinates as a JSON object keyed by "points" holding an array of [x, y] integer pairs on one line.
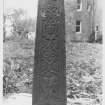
{"points": [[85, 16]]}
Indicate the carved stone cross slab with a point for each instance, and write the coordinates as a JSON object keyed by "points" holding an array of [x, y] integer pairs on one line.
{"points": [[49, 82]]}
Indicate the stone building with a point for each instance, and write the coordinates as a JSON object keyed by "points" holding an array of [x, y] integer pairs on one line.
{"points": [[81, 19]]}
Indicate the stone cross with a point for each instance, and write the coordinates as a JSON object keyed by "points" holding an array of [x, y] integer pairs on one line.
{"points": [[49, 79]]}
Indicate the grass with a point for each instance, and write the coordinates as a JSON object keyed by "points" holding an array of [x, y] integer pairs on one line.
{"points": [[83, 63], [84, 70], [18, 66]]}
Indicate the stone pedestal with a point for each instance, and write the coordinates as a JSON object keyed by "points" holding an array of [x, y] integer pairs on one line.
{"points": [[49, 82]]}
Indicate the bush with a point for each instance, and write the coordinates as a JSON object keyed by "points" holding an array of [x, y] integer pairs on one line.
{"points": [[17, 77], [92, 37], [81, 82], [99, 40]]}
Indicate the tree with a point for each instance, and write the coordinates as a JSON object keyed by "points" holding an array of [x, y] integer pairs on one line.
{"points": [[17, 21], [21, 25]]}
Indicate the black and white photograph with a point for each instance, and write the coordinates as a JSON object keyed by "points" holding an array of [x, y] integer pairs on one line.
{"points": [[52, 52]]}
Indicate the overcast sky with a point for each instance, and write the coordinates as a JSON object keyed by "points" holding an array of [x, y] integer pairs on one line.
{"points": [[29, 5]]}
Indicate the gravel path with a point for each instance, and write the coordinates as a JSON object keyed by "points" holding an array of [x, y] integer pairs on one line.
{"points": [[18, 99], [26, 99]]}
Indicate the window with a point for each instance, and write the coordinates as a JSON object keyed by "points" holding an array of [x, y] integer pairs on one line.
{"points": [[78, 26], [79, 5]]}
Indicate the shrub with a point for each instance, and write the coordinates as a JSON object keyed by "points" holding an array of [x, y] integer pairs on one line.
{"points": [[16, 79], [92, 37]]}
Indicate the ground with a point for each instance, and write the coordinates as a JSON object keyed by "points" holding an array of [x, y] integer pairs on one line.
{"points": [[84, 72], [26, 99]]}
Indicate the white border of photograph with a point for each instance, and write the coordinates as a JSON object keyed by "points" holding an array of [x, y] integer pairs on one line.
{"points": [[1, 50]]}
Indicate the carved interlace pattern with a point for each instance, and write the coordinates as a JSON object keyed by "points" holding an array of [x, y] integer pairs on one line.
{"points": [[48, 52]]}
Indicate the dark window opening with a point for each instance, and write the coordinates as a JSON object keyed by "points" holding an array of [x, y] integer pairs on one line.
{"points": [[78, 26], [79, 4]]}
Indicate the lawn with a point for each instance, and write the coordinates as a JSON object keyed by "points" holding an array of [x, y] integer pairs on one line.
{"points": [[83, 66]]}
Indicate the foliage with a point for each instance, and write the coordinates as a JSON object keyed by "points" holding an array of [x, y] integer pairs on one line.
{"points": [[84, 71], [22, 26], [18, 69], [17, 78], [92, 37], [20, 22], [84, 78], [100, 39]]}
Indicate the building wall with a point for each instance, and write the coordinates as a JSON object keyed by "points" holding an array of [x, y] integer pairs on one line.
{"points": [[85, 16]]}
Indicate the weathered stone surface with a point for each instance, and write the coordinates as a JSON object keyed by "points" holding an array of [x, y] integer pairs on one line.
{"points": [[49, 84]]}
